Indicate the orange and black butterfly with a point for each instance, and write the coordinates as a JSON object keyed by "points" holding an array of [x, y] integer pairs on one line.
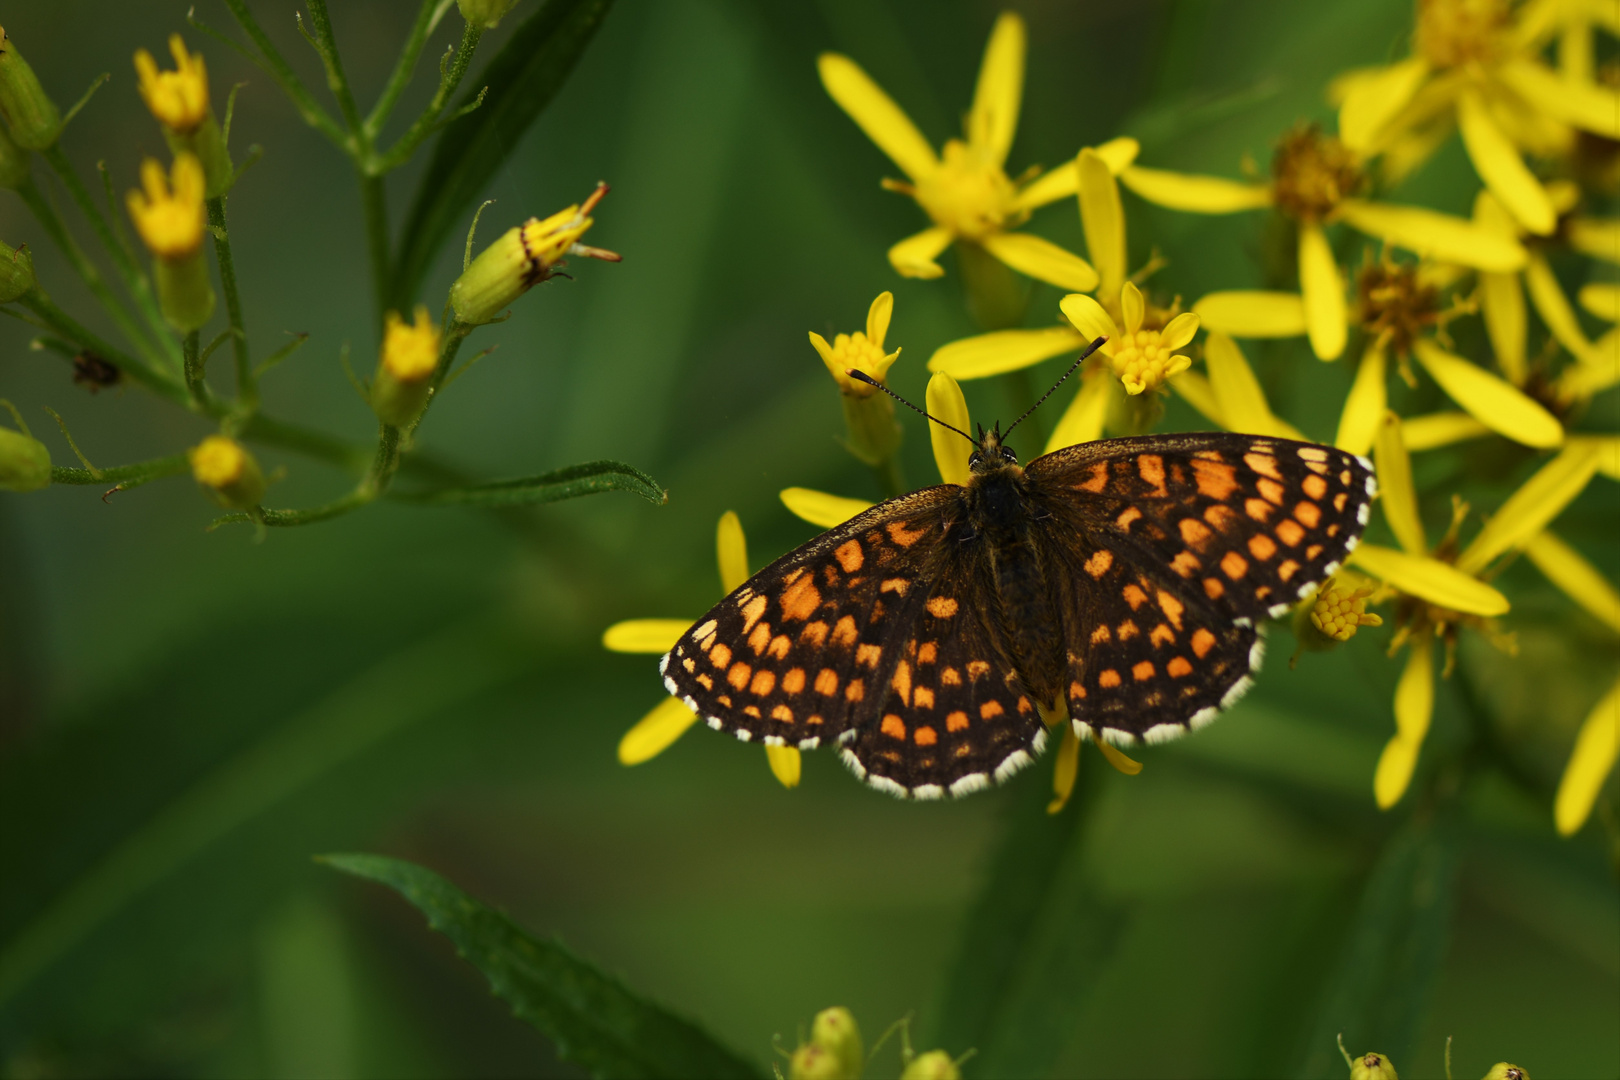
{"points": [[1121, 580]]}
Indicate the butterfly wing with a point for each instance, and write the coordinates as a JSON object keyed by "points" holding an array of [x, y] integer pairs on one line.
{"points": [[1171, 548]]}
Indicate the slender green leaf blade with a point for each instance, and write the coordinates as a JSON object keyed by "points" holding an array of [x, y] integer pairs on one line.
{"points": [[522, 79], [592, 1018], [570, 482]]}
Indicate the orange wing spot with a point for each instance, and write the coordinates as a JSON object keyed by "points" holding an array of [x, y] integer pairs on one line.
{"points": [[826, 682], [893, 727], [1150, 467], [895, 585], [1076, 690], [1288, 569], [724, 699], [760, 638], [1162, 635], [753, 710], [977, 668], [704, 680], [1134, 596], [1213, 588], [1025, 707], [1309, 514], [844, 632], [720, 656], [1234, 564], [926, 736], [989, 709], [1345, 478], [1099, 563], [922, 698], [1171, 607], [1128, 630], [868, 655], [941, 607], [689, 664], [1208, 455], [850, 556], [780, 646], [1264, 464], [752, 612], [1314, 486], [1097, 480], [1142, 671], [706, 640], [1214, 481], [956, 721], [738, 675], [793, 681], [1333, 530], [782, 713], [814, 720], [950, 677], [902, 681], [901, 535], [927, 652], [1339, 501], [855, 691], [1262, 592], [1124, 520], [1262, 546], [1101, 634], [1313, 551], [814, 635], [1108, 679], [1313, 453], [1186, 564], [1258, 509], [1178, 667], [1194, 532], [1290, 532], [800, 599], [1271, 490], [1202, 642], [1220, 516]]}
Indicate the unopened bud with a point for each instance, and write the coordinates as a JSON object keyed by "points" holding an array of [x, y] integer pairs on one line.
{"points": [[835, 1031], [227, 472], [934, 1065], [34, 118], [13, 162], [179, 100], [410, 355], [522, 258], [169, 216], [16, 273], [1503, 1071], [25, 464], [1372, 1067], [813, 1062], [485, 13]]}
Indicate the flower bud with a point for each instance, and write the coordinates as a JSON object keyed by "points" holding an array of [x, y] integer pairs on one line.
{"points": [[16, 273], [169, 216], [410, 355], [228, 472], [25, 464], [13, 162], [1503, 1071], [835, 1031], [522, 258], [485, 13], [179, 100], [873, 436], [34, 118], [934, 1065], [813, 1062], [1372, 1067]]}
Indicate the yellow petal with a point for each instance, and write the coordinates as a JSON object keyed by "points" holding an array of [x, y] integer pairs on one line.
{"points": [[1443, 237], [785, 764], [1371, 102], [877, 318], [914, 256], [1498, 162], [1196, 391], [1326, 319], [1529, 510], [1396, 492], [1131, 306], [1180, 330], [1195, 194], [1042, 260], [1237, 392], [1596, 746], [1088, 317], [1608, 452], [951, 451], [1116, 757], [1083, 420], [820, 508], [655, 732], [1364, 407], [732, 549], [1429, 579], [1502, 303], [877, 115], [993, 119], [1103, 219], [1602, 300], [1580, 580], [1584, 380], [1119, 153], [1250, 313], [1575, 51], [1003, 350], [1414, 705], [1554, 308], [1493, 401], [654, 636], [1439, 429], [1578, 102], [1597, 237], [1065, 769], [1049, 187]]}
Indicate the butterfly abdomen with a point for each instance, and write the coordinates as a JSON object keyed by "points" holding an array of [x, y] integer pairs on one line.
{"points": [[1002, 516]]}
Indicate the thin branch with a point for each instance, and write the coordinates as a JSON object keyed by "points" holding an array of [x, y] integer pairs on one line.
{"points": [[451, 71], [271, 62], [404, 68]]}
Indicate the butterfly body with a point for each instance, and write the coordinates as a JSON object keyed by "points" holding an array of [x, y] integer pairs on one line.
{"points": [[1120, 581]]}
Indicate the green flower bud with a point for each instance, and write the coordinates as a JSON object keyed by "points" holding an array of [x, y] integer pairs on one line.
{"points": [[485, 13], [934, 1065], [13, 162], [25, 464], [16, 273], [1503, 1071], [835, 1031], [522, 258], [34, 118], [1372, 1067], [227, 472], [410, 355], [814, 1062]]}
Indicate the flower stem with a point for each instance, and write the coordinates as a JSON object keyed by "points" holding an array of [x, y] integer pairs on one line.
{"points": [[374, 208], [123, 476], [891, 478], [152, 378], [247, 388], [403, 67], [450, 76]]}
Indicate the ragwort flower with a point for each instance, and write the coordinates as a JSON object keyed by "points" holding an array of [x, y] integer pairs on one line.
{"points": [[965, 191], [873, 435], [668, 721]]}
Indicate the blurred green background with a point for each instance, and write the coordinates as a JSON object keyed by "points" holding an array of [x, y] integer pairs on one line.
{"points": [[185, 718]]}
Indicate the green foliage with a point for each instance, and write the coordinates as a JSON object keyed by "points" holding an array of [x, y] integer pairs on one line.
{"points": [[592, 1017], [566, 483]]}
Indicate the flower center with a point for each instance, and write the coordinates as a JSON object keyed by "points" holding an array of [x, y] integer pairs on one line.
{"points": [[1394, 305], [1142, 362], [966, 194], [1451, 33], [863, 354], [1312, 173]]}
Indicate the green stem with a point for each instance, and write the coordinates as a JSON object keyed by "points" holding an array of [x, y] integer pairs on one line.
{"points": [[279, 70], [890, 477], [400, 77], [63, 323], [1021, 394], [336, 80], [449, 78], [247, 389], [194, 369], [374, 208], [123, 476]]}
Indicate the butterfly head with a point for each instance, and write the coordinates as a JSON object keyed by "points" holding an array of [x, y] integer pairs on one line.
{"points": [[992, 454]]}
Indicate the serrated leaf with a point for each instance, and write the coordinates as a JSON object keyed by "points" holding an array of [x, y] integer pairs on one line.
{"points": [[521, 80], [592, 1018], [586, 478]]}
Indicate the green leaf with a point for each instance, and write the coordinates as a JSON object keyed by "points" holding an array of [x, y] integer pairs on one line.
{"points": [[569, 482], [592, 1018], [522, 79]]}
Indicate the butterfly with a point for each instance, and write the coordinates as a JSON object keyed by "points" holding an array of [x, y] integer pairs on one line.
{"points": [[931, 637]]}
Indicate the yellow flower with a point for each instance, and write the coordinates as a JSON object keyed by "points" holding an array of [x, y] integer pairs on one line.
{"points": [[523, 257], [668, 721], [1600, 370], [410, 355], [1475, 64], [179, 98], [1339, 610], [227, 472], [965, 191], [861, 351], [1315, 181], [168, 212]]}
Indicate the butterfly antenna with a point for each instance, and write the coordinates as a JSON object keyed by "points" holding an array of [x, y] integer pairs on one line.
{"points": [[1093, 347], [861, 376]]}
